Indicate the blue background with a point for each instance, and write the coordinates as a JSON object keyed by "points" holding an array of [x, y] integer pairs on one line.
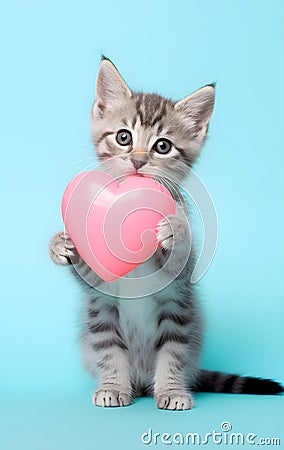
{"points": [[50, 54]]}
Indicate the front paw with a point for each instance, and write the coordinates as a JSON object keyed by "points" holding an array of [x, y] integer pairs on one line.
{"points": [[62, 250], [176, 400], [173, 230], [110, 397]]}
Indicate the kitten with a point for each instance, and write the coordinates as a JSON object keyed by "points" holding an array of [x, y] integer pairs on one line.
{"points": [[149, 345]]}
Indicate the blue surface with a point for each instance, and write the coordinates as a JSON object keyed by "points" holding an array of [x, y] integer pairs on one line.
{"points": [[50, 53], [73, 423]]}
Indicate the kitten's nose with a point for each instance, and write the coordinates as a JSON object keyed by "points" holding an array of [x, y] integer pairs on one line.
{"points": [[138, 163], [139, 158]]}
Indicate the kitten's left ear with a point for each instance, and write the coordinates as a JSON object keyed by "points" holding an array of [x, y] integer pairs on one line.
{"points": [[110, 87], [198, 108]]}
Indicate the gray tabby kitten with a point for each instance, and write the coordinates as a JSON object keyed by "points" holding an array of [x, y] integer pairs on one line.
{"points": [[149, 345]]}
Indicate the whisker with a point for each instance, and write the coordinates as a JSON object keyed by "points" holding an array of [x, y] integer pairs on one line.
{"points": [[77, 162], [170, 185], [86, 145], [91, 166], [95, 161]]}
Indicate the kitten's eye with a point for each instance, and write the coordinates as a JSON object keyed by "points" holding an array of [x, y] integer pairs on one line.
{"points": [[162, 146], [124, 137]]}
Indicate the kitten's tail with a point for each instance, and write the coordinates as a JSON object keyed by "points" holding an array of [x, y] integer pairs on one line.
{"points": [[210, 381]]}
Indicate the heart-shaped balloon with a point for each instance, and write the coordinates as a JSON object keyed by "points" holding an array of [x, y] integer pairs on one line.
{"points": [[114, 224]]}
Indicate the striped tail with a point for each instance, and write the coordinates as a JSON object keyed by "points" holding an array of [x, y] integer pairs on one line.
{"points": [[210, 381]]}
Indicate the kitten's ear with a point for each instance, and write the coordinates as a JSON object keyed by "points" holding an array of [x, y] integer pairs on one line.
{"points": [[110, 87], [198, 108]]}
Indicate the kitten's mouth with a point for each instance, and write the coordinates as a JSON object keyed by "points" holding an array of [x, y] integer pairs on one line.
{"points": [[137, 174], [143, 174]]}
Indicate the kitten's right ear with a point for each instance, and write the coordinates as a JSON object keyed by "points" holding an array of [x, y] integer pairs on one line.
{"points": [[110, 87]]}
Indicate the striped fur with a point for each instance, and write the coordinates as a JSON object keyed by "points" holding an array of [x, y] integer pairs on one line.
{"points": [[210, 381], [149, 345]]}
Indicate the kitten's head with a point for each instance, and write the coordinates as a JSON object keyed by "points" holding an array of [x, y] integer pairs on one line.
{"points": [[147, 133]]}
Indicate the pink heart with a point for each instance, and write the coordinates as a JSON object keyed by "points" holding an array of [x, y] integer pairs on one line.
{"points": [[114, 225]]}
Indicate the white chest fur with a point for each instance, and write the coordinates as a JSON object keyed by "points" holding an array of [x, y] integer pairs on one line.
{"points": [[146, 280], [138, 316]]}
